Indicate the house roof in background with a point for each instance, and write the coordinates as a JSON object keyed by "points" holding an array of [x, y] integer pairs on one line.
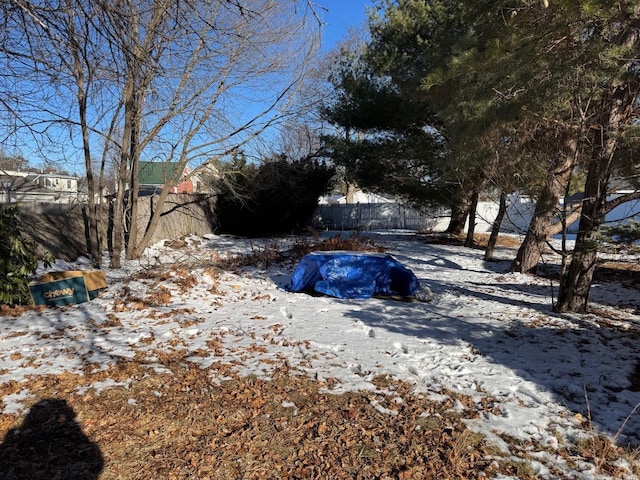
{"points": [[155, 173], [32, 174], [21, 184], [35, 176]]}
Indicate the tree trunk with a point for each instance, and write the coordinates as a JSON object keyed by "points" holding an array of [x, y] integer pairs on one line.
{"points": [[132, 214], [92, 216], [134, 184], [81, 95], [529, 253], [471, 231], [117, 232], [351, 193], [495, 229], [459, 213], [120, 220], [574, 289]]}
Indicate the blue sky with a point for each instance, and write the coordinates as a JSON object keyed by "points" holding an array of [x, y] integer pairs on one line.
{"points": [[339, 16]]}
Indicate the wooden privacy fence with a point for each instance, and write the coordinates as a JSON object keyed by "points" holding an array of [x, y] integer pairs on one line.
{"points": [[181, 215], [61, 228]]}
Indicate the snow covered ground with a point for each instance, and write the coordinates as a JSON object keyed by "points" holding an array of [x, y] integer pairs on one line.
{"points": [[487, 333]]}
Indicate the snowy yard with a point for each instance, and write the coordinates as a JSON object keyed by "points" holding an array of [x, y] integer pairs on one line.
{"points": [[552, 380]]}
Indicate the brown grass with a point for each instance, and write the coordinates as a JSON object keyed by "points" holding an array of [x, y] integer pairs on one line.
{"points": [[509, 241], [480, 240]]}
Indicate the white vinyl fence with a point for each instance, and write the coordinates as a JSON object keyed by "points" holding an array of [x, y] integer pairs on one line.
{"points": [[377, 216], [383, 216]]}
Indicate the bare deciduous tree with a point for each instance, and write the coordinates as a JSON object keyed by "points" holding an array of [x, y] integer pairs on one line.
{"points": [[183, 83]]}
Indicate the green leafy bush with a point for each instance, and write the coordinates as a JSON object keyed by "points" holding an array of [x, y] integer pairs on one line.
{"points": [[18, 260]]}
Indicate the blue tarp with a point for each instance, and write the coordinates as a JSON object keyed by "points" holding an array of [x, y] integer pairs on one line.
{"points": [[347, 274]]}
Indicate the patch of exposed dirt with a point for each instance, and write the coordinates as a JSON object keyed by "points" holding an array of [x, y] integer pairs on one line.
{"points": [[480, 240], [627, 273]]}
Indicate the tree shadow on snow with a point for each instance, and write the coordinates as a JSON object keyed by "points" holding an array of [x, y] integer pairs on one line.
{"points": [[588, 372], [86, 332]]}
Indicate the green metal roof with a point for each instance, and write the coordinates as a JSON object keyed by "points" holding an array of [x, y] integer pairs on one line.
{"points": [[156, 173]]}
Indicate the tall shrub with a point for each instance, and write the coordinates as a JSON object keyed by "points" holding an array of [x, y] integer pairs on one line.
{"points": [[18, 260], [277, 197]]}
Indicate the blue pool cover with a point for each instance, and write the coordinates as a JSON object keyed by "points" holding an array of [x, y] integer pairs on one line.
{"points": [[347, 274]]}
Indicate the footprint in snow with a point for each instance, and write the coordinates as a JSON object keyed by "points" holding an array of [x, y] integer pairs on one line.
{"points": [[401, 347]]}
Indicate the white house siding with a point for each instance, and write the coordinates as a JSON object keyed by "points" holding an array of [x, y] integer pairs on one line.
{"points": [[27, 187], [57, 183]]}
